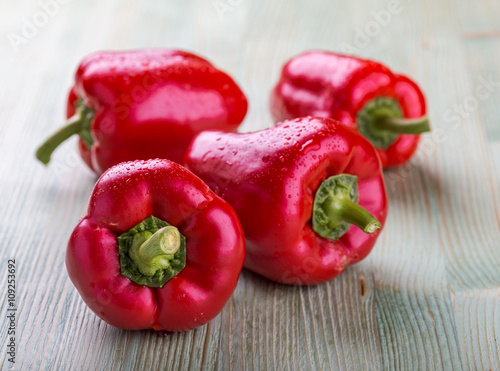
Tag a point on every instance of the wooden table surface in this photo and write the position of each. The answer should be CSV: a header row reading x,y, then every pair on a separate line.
x,y
428,297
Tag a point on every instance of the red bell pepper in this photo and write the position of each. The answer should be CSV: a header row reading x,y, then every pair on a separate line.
x,y
387,108
156,249
145,104
308,193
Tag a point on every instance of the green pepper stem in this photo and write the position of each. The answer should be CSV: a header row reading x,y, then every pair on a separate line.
x,y
75,125
156,252
152,252
403,126
352,213
164,241
335,208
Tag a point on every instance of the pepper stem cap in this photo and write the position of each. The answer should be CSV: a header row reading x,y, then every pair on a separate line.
x,y
152,252
335,208
381,121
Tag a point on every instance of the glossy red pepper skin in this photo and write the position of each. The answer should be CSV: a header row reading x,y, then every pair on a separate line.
x,y
270,178
326,84
124,196
151,103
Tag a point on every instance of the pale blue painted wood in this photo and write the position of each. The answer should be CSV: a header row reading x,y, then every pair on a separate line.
x,y
426,298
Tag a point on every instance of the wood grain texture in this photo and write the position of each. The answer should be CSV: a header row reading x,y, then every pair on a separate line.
x,y
428,297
